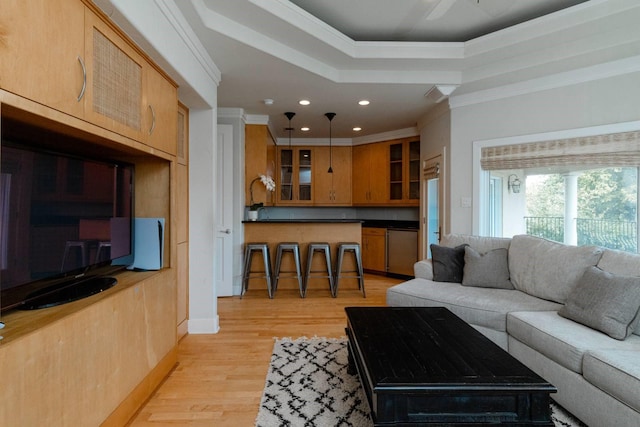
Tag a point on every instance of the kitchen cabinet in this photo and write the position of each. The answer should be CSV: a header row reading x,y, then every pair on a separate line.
x,y
160,100
404,172
42,50
295,177
332,188
374,249
370,174
260,159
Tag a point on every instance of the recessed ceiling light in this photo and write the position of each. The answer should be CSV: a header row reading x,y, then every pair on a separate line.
x,y
268,101
304,129
363,102
304,102
357,129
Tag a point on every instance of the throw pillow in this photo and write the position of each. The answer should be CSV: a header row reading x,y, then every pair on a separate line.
x,y
488,270
604,301
448,263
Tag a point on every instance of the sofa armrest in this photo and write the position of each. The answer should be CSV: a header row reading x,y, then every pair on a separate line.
x,y
423,269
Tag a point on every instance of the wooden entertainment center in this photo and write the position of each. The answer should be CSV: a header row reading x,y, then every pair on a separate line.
x,y
95,361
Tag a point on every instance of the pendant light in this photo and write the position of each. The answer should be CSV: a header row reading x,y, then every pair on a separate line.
x,y
330,116
289,115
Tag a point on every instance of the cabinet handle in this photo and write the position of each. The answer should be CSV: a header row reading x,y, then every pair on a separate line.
x,y
153,119
84,78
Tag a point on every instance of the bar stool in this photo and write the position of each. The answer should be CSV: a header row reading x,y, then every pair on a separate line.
x,y
320,247
294,249
353,248
249,250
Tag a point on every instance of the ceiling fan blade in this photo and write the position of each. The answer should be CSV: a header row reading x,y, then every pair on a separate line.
x,y
440,9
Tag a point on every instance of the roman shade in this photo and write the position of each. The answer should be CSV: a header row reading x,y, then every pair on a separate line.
x,y
614,149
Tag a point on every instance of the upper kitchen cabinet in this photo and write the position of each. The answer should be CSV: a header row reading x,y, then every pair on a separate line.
x,y
160,101
294,181
43,52
259,158
370,174
404,172
332,188
114,75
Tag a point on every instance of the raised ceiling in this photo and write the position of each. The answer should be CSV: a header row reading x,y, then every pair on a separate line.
x,y
337,52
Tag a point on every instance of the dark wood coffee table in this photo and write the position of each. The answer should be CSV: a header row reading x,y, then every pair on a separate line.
x,y
425,365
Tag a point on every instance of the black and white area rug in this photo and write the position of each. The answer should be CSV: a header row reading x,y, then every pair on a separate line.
x,y
308,385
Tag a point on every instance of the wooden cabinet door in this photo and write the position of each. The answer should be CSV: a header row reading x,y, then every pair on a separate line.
x,y
42,50
341,163
374,249
114,80
332,188
360,174
322,179
379,173
161,108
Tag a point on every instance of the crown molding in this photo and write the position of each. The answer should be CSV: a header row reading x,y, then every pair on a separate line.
x,y
315,142
568,78
256,119
170,10
231,113
386,136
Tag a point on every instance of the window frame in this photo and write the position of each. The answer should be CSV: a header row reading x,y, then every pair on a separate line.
x,y
481,178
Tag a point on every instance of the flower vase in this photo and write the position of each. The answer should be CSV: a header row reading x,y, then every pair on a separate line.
x,y
253,215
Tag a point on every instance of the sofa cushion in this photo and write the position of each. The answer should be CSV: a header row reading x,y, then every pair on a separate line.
x,y
606,302
562,340
547,269
619,262
615,371
478,306
479,243
487,270
448,263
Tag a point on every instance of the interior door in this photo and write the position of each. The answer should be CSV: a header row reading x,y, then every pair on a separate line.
x,y
223,212
431,208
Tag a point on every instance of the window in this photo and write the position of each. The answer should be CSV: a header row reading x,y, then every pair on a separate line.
x,y
579,187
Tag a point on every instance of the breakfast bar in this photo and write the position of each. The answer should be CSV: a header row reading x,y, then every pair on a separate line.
x,y
304,231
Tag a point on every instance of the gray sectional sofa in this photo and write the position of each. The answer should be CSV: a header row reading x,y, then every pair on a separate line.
x,y
569,313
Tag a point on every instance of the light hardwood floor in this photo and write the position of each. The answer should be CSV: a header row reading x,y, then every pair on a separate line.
x,y
220,377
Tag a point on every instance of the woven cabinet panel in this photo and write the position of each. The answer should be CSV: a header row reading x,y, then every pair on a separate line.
x,y
117,83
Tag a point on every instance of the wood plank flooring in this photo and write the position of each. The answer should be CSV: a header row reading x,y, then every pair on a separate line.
x,y
219,378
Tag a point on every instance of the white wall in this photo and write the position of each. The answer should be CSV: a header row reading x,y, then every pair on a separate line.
x,y
605,101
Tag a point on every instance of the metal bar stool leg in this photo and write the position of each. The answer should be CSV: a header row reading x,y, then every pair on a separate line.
x,y
328,273
353,248
267,269
294,249
249,250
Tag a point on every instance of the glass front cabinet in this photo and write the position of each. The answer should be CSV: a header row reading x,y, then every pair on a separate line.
x,y
404,172
295,176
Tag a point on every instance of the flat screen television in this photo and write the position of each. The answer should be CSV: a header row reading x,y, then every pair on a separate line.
x,y
66,224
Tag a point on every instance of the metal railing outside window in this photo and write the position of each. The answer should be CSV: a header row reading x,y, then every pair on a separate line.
x,y
621,235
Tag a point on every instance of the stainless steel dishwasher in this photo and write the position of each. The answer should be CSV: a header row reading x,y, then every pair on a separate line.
x,y
402,250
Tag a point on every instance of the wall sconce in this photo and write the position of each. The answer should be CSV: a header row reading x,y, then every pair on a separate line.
x,y
513,185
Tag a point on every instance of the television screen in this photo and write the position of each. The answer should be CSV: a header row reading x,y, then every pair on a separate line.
x,y
63,219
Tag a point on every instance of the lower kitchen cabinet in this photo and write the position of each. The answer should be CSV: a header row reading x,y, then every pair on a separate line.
x,y
374,249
